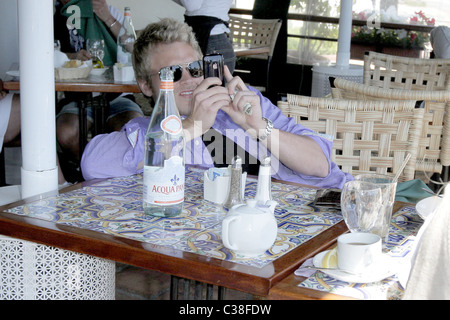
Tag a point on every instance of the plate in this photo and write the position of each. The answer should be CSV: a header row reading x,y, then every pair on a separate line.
x,y
384,269
426,206
13,73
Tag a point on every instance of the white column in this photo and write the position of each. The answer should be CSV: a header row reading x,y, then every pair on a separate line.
x,y
37,96
345,33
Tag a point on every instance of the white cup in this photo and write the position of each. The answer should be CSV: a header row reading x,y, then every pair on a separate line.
x,y
358,251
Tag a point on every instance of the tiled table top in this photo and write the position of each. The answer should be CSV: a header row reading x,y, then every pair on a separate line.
x,y
114,206
405,225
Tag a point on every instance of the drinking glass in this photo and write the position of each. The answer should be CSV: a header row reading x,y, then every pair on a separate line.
x,y
96,47
388,187
361,203
57,45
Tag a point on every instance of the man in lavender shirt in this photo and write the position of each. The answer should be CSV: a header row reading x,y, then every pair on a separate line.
x,y
297,153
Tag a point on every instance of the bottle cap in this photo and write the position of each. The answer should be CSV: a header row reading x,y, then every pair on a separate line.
x,y
236,162
266,161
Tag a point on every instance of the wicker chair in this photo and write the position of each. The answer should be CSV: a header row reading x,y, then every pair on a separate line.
x,y
257,33
368,136
394,72
434,142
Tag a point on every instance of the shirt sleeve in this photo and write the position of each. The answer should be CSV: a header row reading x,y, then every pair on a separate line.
x,y
116,14
115,154
335,179
191,5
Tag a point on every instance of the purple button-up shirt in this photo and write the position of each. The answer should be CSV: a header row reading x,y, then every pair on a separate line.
x,y
119,153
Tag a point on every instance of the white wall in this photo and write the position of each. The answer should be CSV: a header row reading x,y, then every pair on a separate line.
x,y
143,12
9,35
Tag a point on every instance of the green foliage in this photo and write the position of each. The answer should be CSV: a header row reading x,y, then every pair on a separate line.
x,y
393,37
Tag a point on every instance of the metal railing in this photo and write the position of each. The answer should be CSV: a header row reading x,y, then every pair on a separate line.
x,y
332,20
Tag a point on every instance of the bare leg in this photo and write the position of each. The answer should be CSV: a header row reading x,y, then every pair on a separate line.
x,y
13,129
118,121
67,134
61,178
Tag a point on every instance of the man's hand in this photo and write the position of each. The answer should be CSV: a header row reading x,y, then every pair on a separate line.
x,y
206,102
82,55
242,98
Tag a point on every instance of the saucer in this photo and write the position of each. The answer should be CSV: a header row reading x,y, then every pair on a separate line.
x,y
426,206
384,269
13,73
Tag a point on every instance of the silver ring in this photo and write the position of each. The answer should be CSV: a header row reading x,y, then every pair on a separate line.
x,y
233,95
247,108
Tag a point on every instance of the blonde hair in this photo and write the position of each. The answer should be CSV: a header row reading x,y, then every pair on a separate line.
x,y
165,31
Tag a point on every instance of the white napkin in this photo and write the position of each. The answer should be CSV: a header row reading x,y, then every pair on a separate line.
x,y
59,59
123,73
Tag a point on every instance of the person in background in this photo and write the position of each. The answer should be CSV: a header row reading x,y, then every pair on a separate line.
x,y
100,21
9,116
440,41
209,20
203,105
10,123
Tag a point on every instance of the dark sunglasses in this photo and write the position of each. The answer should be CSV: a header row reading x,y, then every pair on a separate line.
x,y
195,69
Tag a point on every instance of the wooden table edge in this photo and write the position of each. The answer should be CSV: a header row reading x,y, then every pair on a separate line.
x,y
137,253
82,87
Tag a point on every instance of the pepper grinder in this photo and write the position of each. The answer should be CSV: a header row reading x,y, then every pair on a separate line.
x,y
235,193
264,187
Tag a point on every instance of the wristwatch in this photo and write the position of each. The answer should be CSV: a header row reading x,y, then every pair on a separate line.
x,y
267,131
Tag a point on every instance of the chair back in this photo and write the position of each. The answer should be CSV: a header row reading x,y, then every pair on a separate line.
x,y
368,136
255,32
434,142
395,72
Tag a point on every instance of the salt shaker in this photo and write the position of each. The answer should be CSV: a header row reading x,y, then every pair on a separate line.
x,y
234,195
264,188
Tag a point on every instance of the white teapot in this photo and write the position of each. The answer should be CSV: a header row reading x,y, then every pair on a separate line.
x,y
250,229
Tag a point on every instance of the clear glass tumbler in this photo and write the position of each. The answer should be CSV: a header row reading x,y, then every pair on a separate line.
x,y
388,188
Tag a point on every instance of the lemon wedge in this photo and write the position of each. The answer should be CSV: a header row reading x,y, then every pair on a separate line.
x,y
330,259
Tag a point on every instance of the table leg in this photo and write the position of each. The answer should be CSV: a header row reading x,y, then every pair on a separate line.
x,y
173,288
96,113
82,119
104,108
2,168
193,290
100,112
100,109
445,172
